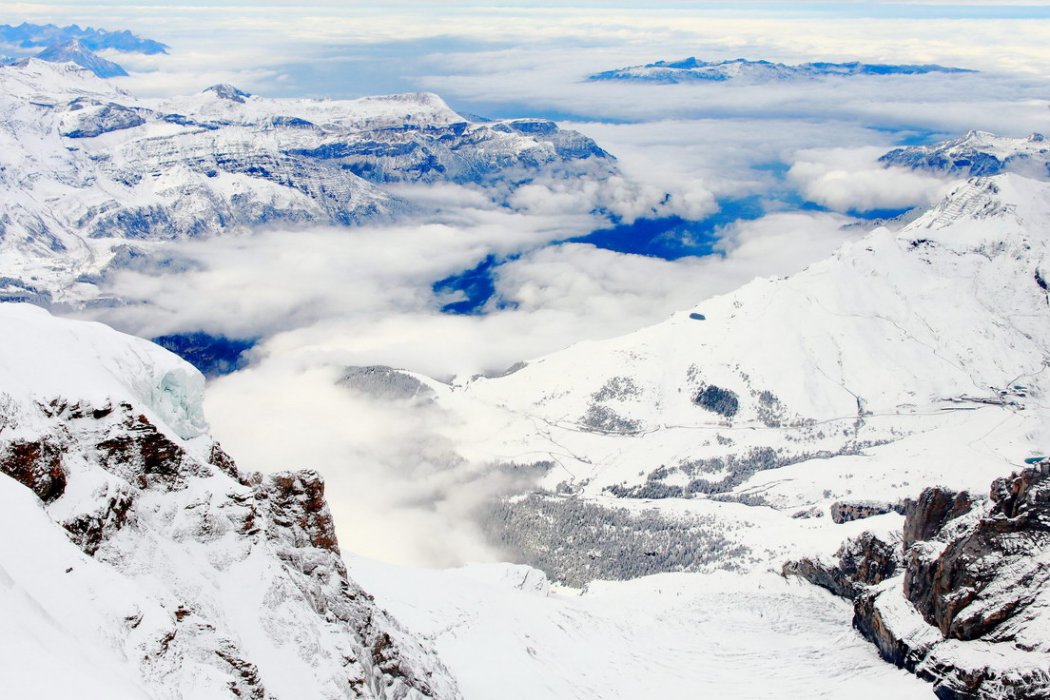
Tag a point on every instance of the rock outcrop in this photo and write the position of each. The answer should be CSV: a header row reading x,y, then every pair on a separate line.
x,y
152,493
192,578
38,465
926,517
859,563
969,606
847,511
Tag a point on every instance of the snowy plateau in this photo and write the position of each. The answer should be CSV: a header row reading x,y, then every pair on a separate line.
x,y
823,485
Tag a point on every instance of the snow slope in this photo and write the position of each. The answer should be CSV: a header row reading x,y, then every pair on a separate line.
x,y
505,633
766,425
939,326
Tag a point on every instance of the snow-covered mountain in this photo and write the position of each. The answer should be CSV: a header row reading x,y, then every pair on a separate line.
x,y
72,44
771,424
686,482
978,153
882,332
138,561
28,35
743,70
90,174
74,51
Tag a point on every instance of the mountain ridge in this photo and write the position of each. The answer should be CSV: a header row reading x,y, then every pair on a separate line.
x,y
184,576
901,362
28,35
94,175
692,70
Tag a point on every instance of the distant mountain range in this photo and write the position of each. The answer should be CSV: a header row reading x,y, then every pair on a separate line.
x,y
74,44
93,173
741,69
29,36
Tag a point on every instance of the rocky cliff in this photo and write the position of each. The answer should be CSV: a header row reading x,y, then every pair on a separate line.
x,y
192,577
963,601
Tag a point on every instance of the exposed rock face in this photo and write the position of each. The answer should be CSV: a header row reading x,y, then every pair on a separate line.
x,y
297,502
180,523
925,517
959,588
847,511
967,608
38,465
870,622
859,563
140,453
969,612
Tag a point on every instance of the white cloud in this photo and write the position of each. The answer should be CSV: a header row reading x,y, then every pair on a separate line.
x,y
846,179
398,490
325,299
328,299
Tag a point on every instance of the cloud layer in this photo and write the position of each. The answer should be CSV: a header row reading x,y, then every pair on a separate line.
x,y
324,299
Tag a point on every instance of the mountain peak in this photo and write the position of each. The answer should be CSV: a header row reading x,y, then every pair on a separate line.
x,y
228,92
74,51
977,153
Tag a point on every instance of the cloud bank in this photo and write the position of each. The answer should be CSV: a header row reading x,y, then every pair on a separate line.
x,y
325,299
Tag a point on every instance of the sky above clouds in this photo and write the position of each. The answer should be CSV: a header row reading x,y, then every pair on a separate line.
x,y
324,299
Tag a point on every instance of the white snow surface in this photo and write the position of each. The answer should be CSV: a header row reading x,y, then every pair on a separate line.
x,y
909,358
42,358
670,636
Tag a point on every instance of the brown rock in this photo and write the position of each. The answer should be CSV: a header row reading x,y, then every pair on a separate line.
x,y
959,588
90,530
297,502
847,511
36,465
861,562
927,516
145,457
